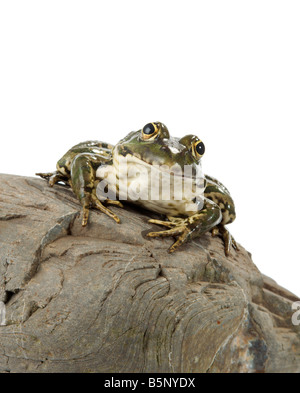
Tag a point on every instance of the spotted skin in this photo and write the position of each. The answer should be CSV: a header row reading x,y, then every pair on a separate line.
x,y
80,168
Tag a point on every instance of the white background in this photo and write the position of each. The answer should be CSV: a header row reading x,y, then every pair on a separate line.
x,y
227,71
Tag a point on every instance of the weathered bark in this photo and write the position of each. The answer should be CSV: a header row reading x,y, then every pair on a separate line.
x,y
107,299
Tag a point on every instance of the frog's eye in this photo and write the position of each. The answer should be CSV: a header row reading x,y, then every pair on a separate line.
x,y
198,149
149,131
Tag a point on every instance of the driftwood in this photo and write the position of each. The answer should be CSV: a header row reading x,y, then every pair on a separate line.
x,y
105,298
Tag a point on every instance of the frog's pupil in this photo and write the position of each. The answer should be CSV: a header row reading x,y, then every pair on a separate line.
x,y
200,148
149,129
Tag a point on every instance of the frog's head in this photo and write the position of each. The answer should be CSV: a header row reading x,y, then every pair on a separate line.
x,y
153,145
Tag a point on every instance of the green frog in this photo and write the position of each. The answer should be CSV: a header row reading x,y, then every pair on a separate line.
x,y
144,161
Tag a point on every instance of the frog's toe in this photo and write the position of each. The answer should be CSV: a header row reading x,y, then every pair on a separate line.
x,y
179,241
114,203
86,212
163,223
234,244
227,248
169,232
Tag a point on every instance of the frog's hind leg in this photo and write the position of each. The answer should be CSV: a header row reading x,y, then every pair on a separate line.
x,y
54,177
228,239
219,194
83,179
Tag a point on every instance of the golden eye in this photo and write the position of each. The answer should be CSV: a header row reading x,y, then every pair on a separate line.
x,y
198,149
149,131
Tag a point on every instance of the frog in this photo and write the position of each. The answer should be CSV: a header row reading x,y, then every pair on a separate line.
x,y
88,165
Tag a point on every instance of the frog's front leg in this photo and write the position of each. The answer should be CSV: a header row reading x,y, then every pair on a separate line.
x,y
83,182
189,227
